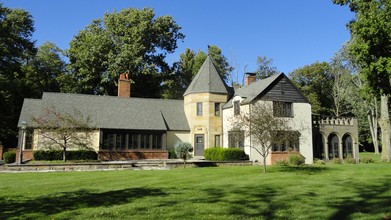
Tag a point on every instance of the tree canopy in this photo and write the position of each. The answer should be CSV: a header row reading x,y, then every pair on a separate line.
x,y
16,46
130,41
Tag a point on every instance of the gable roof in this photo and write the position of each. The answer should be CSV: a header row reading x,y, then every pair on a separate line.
x,y
207,80
260,88
111,112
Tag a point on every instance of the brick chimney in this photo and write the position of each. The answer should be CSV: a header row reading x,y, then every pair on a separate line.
x,y
250,78
124,85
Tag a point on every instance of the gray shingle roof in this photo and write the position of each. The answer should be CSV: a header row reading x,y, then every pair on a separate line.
x,y
207,80
250,92
111,112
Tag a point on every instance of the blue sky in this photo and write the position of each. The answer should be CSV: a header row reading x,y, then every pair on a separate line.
x,y
292,33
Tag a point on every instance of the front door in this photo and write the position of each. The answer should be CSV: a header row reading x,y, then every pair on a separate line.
x,y
199,145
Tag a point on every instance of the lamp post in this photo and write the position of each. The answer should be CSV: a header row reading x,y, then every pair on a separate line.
x,y
22,127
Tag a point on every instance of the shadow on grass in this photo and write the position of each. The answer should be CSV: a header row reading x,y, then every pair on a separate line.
x,y
302,169
371,200
67,201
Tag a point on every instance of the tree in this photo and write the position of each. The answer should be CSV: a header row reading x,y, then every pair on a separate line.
x,y
45,71
264,130
16,46
265,67
131,41
316,83
370,45
185,70
64,130
182,150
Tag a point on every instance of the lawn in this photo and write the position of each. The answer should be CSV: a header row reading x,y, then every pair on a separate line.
x,y
349,191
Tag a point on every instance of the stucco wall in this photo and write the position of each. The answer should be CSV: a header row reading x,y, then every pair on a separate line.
x,y
301,122
40,142
177,136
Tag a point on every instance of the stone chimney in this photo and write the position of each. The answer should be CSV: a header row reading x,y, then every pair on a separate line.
x,y
124,85
250,78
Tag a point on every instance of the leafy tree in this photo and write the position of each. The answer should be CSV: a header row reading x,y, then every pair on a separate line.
x,y
16,46
182,150
316,83
185,70
131,41
264,129
64,130
45,71
370,45
265,67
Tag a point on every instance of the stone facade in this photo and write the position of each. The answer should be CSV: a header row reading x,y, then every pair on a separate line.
x,y
207,124
335,138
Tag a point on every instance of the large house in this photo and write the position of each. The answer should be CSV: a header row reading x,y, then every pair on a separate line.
x,y
141,128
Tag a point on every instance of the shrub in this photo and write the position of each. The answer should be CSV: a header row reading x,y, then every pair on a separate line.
x,y
320,162
47,155
172,154
182,150
225,154
337,161
350,160
367,160
282,163
70,155
296,159
9,157
82,155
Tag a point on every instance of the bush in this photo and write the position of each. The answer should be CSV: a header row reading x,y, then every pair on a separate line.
x,y
9,157
320,162
172,154
337,161
350,160
367,160
282,163
296,159
70,155
225,154
82,155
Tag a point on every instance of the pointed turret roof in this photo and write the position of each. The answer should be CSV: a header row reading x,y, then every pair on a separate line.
x,y
207,80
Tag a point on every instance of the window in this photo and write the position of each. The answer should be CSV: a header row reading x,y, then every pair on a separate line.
x,y
286,141
29,140
217,141
217,109
282,109
236,139
199,108
236,108
129,140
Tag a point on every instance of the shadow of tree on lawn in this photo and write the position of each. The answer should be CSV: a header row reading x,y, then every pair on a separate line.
x,y
66,201
309,170
372,199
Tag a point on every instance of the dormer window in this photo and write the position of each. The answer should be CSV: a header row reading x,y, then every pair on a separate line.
x,y
236,108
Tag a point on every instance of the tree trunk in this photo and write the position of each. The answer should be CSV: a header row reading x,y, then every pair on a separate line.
x,y
385,128
372,119
264,164
64,154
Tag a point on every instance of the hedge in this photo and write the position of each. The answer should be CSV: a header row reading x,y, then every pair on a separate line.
x,y
225,154
9,157
70,155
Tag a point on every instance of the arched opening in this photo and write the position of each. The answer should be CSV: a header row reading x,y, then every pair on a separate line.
x,y
347,146
333,146
319,146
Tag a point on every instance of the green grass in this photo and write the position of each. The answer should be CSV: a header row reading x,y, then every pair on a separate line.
x,y
348,191
372,155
